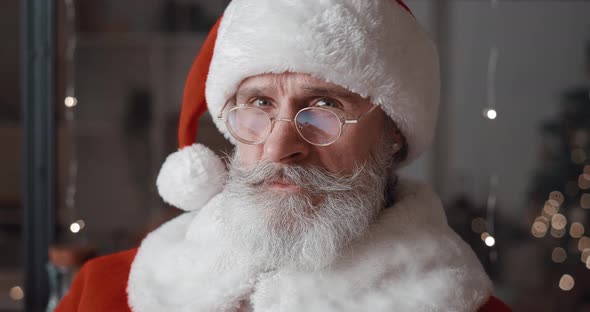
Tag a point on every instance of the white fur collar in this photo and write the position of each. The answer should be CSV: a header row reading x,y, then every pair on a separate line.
x,y
410,260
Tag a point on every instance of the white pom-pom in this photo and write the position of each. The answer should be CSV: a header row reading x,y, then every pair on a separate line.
x,y
190,177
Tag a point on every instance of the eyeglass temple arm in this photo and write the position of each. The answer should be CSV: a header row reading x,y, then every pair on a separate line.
x,y
356,120
220,114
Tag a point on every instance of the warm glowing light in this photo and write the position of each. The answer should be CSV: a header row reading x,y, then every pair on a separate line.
x,y
539,229
490,114
576,230
557,196
549,210
484,236
583,243
75,227
490,241
16,293
558,221
558,255
543,220
588,263
81,223
70,101
585,255
558,233
478,225
566,282
585,201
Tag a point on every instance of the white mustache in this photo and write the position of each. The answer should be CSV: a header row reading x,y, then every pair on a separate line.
x,y
313,179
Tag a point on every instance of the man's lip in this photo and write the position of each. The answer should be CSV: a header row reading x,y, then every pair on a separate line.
x,y
284,186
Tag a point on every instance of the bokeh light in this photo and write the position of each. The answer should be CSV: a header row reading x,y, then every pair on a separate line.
x,y
558,221
558,255
75,227
539,229
583,243
490,114
16,293
566,282
558,233
577,230
490,241
70,101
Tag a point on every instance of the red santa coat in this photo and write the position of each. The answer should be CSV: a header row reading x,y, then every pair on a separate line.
x,y
170,271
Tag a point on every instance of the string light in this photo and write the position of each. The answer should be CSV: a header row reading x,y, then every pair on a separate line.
x,y
557,198
70,115
16,293
583,243
585,255
585,201
75,227
566,283
549,210
539,229
490,241
490,114
558,233
559,255
558,221
576,230
70,101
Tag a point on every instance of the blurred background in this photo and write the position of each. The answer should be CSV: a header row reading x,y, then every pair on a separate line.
x,y
90,92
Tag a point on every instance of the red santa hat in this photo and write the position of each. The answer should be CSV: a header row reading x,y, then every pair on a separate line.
x,y
374,48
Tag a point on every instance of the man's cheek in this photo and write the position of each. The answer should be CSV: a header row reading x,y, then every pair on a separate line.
x,y
248,154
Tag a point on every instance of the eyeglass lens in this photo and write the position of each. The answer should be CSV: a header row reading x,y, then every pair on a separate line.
x,y
252,125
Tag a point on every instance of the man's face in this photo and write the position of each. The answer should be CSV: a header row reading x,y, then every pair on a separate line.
x,y
289,93
295,204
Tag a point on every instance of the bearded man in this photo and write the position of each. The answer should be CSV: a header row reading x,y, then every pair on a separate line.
x,y
325,101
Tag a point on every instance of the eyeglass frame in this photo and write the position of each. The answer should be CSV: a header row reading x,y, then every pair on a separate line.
x,y
343,121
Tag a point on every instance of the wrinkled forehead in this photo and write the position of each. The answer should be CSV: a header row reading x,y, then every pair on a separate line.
x,y
293,82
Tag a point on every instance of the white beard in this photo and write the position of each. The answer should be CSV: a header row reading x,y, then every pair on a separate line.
x,y
295,230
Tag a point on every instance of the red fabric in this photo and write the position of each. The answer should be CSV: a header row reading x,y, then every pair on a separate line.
x,y
101,286
405,6
193,102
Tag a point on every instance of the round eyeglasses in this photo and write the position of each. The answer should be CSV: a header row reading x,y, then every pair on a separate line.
x,y
316,125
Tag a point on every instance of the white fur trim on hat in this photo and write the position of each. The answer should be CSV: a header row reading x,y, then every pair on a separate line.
x,y
374,48
190,177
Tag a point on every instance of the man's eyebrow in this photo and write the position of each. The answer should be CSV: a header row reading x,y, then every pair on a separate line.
x,y
330,92
249,92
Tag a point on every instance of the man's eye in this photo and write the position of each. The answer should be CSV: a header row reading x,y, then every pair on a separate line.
x,y
327,103
260,102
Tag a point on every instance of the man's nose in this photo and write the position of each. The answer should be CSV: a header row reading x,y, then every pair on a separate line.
x,y
284,145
